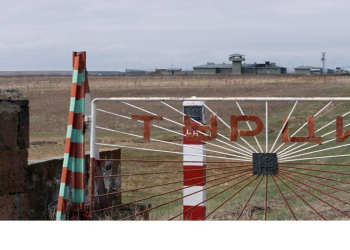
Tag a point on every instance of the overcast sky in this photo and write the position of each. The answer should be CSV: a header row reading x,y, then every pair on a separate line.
x,y
41,35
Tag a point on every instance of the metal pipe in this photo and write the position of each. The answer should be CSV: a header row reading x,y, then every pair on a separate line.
x,y
339,99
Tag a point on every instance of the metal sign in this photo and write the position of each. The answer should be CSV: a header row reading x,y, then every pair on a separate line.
x,y
225,158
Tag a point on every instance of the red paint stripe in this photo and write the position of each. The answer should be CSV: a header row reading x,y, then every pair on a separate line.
x,y
68,145
64,175
197,213
78,121
60,204
76,62
77,150
64,207
69,174
188,141
73,92
78,180
70,117
188,175
80,92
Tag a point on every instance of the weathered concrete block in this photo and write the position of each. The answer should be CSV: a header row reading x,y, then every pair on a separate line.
x,y
13,171
8,125
23,125
14,207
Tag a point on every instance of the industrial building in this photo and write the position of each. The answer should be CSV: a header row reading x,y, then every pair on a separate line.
x,y
170,71
311,70
308,70
236,67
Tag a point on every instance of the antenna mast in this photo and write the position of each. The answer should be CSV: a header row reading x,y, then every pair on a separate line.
x,y
323,59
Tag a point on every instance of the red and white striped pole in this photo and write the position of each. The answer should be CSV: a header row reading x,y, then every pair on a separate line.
x,y
194,159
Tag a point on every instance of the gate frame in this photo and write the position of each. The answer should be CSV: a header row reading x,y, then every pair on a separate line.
x,y
92,118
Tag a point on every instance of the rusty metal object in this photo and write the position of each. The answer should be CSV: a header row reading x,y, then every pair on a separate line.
x,y
234,126
146,123
300,197
310,132
290,178
340,135
284,198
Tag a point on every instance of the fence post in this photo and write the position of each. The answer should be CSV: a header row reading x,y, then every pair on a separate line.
x,y
194,165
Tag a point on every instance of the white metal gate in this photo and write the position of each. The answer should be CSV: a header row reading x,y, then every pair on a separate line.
x,y
247,158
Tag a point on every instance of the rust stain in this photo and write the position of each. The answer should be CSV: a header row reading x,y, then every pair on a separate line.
x,y
147,123
310,132
235,132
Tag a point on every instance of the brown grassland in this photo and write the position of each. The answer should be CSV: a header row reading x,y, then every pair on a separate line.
x,y
49,102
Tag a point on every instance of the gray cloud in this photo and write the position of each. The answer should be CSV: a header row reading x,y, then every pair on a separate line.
x,y
40,35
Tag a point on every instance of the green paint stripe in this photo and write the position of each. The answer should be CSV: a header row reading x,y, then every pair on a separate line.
x,y
70,163
80,78
83,75
77,195
79,106
59,215
72,104
69,131
66,192
62,188
75,76
77,136
78,166
65,160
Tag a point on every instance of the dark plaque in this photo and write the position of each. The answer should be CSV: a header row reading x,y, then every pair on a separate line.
x,y
265,163
195,112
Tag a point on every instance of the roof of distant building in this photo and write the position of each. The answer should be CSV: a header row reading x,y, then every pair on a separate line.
x,y
307,67
229,66
236,55
214,66
173,69
262,65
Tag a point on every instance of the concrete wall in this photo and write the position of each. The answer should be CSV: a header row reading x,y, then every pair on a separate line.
x,y
204,71
236,67
14,141
30,192
170,73
44,182
302,72
269,71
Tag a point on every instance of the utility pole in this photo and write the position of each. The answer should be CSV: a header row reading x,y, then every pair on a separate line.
x,y
323,59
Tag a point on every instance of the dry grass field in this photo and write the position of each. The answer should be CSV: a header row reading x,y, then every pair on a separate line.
x,y
49,102
49,95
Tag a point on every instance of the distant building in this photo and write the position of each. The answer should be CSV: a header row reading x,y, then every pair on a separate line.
x,y
212,68
238,68
263,68
340,71
236,60
308,70
136,72
172,71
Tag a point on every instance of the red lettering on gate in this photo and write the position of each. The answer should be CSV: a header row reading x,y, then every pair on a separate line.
x,y
147,123
234,126
310,132
340,135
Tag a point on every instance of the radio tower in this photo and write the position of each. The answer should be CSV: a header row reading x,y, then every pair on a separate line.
x,y
323,59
